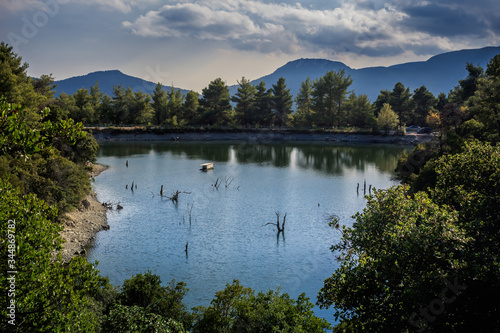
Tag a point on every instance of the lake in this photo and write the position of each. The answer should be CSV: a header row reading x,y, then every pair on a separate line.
x,y
222,214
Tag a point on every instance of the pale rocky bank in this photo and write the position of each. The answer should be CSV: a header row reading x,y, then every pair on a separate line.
x,y
84,222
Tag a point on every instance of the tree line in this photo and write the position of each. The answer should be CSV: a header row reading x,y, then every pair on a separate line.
x,y
326,102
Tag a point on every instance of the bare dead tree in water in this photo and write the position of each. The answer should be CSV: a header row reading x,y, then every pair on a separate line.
x,y
281,229
229,180
218,182
175,195
190,209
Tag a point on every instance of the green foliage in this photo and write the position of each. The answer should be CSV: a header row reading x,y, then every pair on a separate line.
x,y
400,102
281,103
263,99
16,138
470,183
467,86
190,106
329,94
405,249
17,87
160,104
145,290
360,111
45,158
484,107
387,119
398,253
71,140
215,103
135,319
238,309
245,102
48,296
304,114
423,102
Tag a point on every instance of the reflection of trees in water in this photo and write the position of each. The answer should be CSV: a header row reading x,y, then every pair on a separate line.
x,y
321,157
330,159
208,152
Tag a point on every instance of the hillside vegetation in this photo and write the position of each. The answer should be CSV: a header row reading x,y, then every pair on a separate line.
x,y
422,256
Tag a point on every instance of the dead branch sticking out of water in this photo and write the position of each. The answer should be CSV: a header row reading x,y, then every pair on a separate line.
x,y
218,182
175,195
190,209
228,181
281,229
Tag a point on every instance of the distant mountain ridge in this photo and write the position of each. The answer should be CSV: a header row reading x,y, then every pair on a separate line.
x,y
440,73
107,79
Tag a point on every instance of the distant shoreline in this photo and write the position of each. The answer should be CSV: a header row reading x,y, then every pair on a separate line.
x,y
252,136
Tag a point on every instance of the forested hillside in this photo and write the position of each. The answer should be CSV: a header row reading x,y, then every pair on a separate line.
x,y
422,256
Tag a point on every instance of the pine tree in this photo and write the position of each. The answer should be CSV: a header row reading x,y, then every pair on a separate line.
x,y
245,102
304,114
281,103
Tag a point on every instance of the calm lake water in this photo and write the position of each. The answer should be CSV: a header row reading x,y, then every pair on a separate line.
x,y
225,227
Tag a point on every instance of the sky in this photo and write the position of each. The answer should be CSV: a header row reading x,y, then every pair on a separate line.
x,y
190,43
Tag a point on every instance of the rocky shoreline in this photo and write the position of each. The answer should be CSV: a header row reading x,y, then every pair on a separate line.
x,y
82,224
259,136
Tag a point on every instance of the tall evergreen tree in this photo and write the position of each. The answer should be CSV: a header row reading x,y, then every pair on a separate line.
x,y
245,102
382,98
263,112
281,103
360,111
423,103
215,103
304,114
401,103
140,110
329,94
467,86
159,104
190,106
175,99
96,97
85,110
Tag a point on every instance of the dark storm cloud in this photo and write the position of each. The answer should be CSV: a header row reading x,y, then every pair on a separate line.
x,y
438,20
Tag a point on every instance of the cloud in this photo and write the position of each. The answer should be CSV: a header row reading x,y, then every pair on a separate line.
x,y
366,27
438,20
265,26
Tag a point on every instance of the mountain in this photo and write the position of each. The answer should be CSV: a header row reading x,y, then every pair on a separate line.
x,y
106,79
440,73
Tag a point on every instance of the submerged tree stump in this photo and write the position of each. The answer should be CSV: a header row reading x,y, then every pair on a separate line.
x,y
281,229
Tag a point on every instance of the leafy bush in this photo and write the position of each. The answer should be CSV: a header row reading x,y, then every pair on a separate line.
x,y
136,319
48,296
145,290
238,309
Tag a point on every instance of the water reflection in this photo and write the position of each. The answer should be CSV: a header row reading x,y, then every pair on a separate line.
x,y
322,157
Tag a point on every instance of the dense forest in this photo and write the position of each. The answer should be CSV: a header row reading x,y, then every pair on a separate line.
x,y
422,256
326,102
